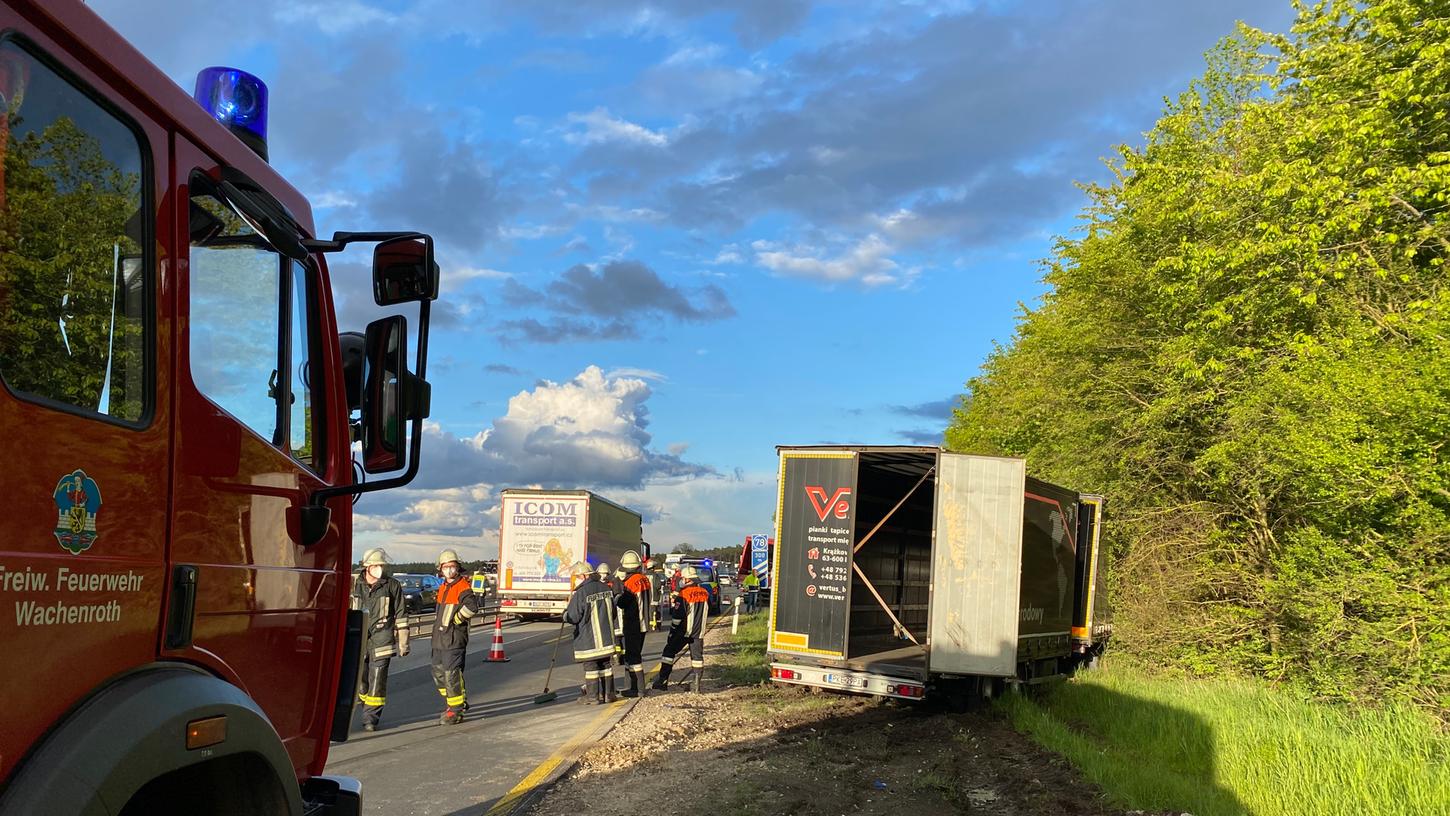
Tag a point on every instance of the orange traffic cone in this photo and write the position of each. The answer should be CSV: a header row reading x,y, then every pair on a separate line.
x,y
495,652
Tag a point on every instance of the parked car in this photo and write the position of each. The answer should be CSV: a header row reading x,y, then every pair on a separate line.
x,y
418,596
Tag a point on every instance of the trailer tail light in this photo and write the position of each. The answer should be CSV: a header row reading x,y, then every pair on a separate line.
x,y
908,691
202,733
508,602
785,674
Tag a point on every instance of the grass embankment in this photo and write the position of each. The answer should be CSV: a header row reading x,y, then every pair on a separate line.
x,y
745,664
1238,747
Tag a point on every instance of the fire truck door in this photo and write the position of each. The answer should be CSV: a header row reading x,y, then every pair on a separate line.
x,y
248,448
85,328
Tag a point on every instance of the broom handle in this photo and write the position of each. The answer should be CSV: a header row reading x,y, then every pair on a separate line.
x,y
550,673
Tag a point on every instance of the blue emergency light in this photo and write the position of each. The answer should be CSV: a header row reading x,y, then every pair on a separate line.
x,y
238,100
709,563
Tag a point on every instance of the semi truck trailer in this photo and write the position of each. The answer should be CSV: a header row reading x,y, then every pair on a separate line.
x,y
913,571
542,533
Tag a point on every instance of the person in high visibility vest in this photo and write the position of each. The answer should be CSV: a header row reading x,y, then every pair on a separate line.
x,y
379,597
689,607
456,606
591,610
752,590
633,600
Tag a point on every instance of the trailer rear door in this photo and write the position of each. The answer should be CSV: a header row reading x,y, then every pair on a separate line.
x,y
810,601
976,565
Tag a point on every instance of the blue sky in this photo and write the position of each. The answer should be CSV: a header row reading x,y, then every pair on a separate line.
x,y
675,235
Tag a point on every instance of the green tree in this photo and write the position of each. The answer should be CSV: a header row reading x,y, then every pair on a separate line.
x,y
1246,349
63,303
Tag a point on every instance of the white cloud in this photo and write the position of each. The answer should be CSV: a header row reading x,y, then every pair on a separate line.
x,y
333,198
453,277
868,261
600,126
334,18
713,512
589,432
533,231
694,54
641,373
729,254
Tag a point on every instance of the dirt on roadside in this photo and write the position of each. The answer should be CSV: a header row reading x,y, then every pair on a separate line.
x,y
771,749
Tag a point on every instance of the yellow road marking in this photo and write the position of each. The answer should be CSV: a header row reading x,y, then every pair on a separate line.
x,y
539,774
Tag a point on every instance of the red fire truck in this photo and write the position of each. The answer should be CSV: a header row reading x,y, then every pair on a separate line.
x,y
181,413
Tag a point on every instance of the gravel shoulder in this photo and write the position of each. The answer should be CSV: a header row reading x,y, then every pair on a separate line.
x,y
767,749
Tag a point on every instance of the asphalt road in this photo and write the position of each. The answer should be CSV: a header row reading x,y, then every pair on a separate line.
x,y
412,766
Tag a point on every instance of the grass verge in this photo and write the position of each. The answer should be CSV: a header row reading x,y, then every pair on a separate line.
x,y
745,664
1221,748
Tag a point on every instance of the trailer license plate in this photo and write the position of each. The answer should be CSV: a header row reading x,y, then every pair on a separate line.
x,y
846,681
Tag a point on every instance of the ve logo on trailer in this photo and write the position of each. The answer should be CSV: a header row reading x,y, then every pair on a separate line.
x,y
836,505
77,501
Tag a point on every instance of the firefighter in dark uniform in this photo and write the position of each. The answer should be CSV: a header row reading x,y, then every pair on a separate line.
x,y
689,606
633,600
456,606
385,631
591,610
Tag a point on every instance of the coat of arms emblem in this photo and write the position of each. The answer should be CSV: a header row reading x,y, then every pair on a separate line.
x,y
77,501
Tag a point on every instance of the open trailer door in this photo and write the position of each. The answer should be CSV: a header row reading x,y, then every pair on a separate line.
x,y
810,601
976,563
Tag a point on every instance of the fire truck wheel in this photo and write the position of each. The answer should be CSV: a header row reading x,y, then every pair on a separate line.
x,y
127,744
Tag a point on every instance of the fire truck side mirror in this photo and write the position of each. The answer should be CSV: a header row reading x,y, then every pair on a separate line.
x,y
404,271
384,439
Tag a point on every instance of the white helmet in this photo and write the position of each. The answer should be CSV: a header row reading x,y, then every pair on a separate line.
x,y
629,561
374,557
689,573
580,568
448,555
602,570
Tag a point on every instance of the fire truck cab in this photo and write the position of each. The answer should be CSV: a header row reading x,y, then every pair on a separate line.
x,y
181,412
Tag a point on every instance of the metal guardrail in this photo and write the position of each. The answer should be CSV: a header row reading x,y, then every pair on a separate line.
x,y
421,623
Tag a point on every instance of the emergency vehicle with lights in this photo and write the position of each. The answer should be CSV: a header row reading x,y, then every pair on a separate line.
x,y
182,410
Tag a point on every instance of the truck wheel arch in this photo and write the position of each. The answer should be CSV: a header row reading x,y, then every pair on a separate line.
x,y
132,732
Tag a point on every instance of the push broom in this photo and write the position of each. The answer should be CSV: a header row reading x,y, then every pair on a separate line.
x,y
551,696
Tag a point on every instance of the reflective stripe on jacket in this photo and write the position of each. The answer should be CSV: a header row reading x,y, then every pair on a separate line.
x,y
690,608
456,604
634,604
591,610
383,613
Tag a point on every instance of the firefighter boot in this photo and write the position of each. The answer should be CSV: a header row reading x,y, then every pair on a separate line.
x,y
586,695
695,681
611,694
633,690
663,681
599,690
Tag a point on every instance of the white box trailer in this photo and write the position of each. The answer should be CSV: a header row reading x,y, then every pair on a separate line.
x,y
542,533
900,570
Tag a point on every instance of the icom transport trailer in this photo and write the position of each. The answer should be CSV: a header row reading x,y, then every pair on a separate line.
x,y
908,571
178,528
542,533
